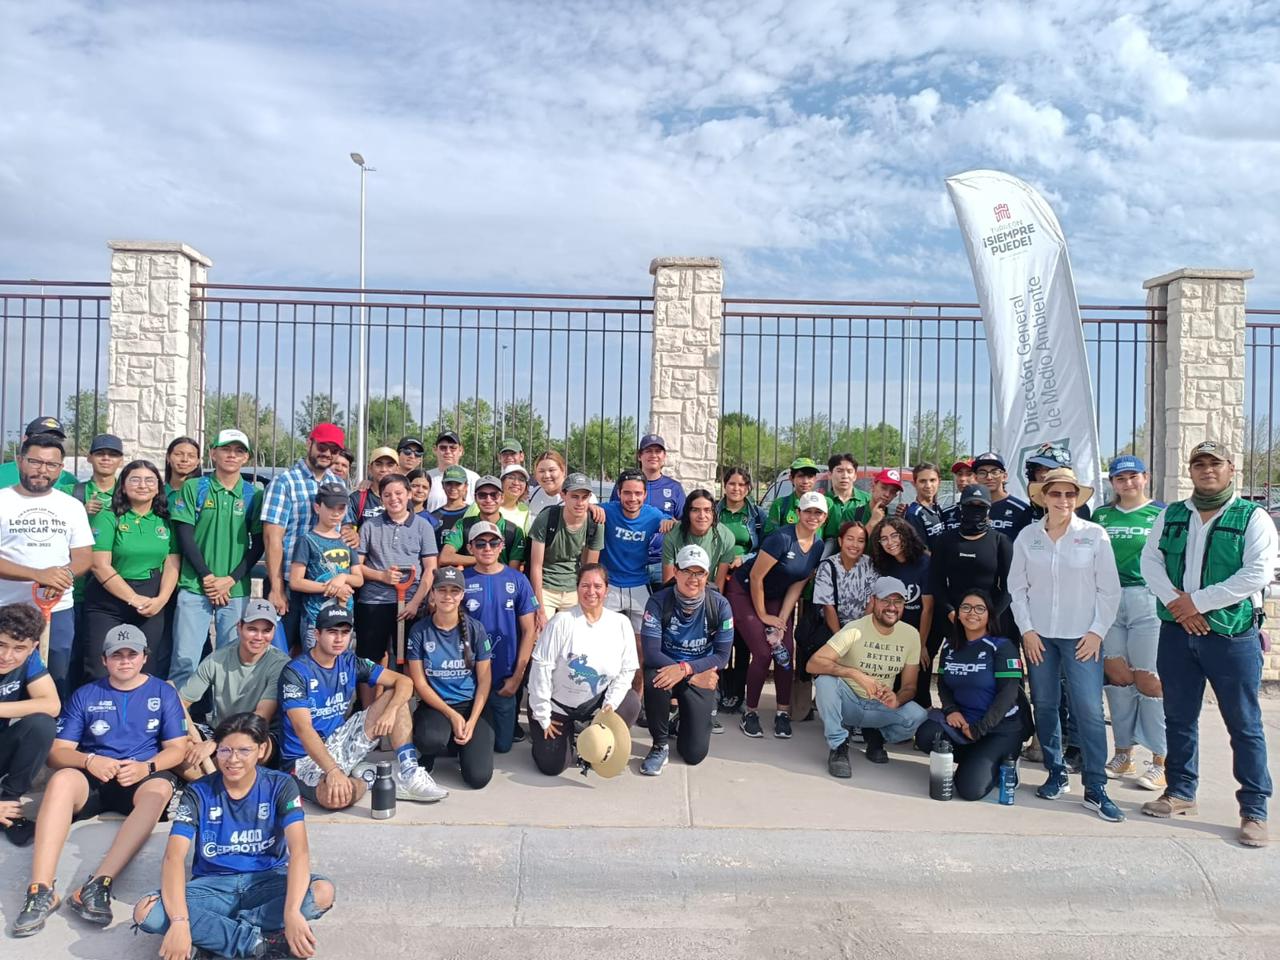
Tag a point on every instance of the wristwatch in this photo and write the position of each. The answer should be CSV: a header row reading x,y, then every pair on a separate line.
x,y
151,766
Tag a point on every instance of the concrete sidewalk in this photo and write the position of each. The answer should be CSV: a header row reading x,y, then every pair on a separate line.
x,y
757,852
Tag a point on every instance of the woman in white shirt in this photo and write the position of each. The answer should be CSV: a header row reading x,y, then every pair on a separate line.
x,y
1064,591
584,661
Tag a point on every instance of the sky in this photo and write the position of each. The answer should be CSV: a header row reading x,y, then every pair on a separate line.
x,y
560,146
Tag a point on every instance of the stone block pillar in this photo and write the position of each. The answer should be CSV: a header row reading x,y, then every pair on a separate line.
x,y
685,378
1198,374
155,361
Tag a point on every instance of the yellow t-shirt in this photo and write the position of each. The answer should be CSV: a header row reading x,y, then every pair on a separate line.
x,y
861,646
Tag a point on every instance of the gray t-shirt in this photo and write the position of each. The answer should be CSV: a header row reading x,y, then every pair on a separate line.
x,y
560,559
237,687
385,544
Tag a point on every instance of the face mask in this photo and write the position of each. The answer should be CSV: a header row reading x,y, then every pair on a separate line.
x,y
973,518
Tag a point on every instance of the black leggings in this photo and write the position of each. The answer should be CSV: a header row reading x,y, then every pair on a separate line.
x,y
552,754
103,611
376,630
693,741
433,736
977,764
733,678
24,747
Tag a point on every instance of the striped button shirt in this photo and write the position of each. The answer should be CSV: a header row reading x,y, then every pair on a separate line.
x,y
290,503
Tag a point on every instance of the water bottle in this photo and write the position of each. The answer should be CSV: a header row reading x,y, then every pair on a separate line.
x,y
781,656
1008,781
942,769
383,796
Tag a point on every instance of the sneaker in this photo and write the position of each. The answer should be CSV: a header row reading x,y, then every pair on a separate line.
x,y
673,722
810,716
20,831
1167,805
876,752
655,760
716,725
92,902
1055,787
365,770
1153,777
782,726
855,735
1073,759
274,946
730,704
419,787
838,762
751,725
519,735
1253,833
41,901
1097,800
1121,765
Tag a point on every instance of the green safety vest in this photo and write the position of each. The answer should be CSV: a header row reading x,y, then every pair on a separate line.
x,y
1223,558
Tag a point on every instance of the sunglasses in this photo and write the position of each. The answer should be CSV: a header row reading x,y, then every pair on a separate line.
x,y
486,543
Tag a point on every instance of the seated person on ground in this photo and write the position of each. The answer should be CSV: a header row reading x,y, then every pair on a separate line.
x,y
29,708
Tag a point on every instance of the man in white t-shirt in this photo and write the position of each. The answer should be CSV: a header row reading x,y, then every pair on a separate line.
x,y
45,542
449,451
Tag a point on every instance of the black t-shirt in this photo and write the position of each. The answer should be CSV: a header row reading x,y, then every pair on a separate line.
x,y
959,565
14,684
793,563
916,577
448,520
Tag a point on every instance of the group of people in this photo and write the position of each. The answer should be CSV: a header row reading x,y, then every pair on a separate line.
x,y
417,610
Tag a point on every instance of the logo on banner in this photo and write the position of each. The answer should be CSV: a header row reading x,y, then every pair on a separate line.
x,y
1001,210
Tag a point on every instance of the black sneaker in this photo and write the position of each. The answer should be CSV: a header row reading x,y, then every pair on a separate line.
x,y
1073,759
782,726
274,946
518,736
716,725
41,901
874,739
20,831
673,722
838,762
730,704
751,724
92,902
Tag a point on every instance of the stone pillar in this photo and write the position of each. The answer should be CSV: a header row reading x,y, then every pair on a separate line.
x,y
1198,373
684,385
155,361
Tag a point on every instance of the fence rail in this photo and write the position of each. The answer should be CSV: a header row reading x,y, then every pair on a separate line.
x,y
1261,460
900,381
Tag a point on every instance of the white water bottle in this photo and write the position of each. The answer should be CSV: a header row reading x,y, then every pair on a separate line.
x,y
942,769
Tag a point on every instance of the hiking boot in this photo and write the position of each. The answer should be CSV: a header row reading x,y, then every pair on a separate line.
x,y
1167,805
41,901
1056,786
20,831
874,740
1153,776
92,902
751,725
419,787
782,726
1253,833
655,760
1073,759
838,762
1096,799
1121,765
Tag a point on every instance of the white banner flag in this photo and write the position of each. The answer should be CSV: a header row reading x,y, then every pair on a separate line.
x,y
1041,391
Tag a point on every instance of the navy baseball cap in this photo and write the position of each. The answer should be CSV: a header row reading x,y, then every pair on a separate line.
x,y
333,615
106,443
975,493
652,440
989,458
46,425
1127,463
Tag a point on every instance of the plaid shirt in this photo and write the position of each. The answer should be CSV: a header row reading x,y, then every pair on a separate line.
x,y
290,503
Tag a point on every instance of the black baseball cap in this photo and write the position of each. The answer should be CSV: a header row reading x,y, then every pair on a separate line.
x,y
448,435
331,495
106,443
990,458
976,493
46,425
333,615
449,577
410,442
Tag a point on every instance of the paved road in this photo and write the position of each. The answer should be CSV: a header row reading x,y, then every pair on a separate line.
x,y
757,853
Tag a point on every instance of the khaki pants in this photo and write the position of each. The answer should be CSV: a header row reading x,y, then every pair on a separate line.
x,y
553,601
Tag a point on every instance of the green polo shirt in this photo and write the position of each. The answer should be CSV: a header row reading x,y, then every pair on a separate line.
x,y
857,507
91,492
9,476
518,552
138,544
223,523
736,524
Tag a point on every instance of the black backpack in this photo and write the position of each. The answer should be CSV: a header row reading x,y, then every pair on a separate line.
x,y
812,632
555,514
508,536
710,609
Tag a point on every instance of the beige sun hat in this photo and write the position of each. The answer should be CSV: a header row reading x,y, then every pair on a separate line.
x,y
605,744
1059,475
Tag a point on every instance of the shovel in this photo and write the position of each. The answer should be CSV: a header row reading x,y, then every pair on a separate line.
x,y
402,592
46,606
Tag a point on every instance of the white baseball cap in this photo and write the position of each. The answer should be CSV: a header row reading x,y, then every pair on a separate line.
x,y
812,500
693,556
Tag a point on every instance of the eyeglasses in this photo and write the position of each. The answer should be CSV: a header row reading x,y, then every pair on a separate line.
x,y
891,537
240,753
142,481
988,474
1061,494
693,573
486,543
973,608
894,602
487,494
43,464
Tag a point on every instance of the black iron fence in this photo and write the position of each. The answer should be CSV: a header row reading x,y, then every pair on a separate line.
x,y
54,356
1261,459
548,370
900,382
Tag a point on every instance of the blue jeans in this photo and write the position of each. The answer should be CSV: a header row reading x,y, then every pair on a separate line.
x,y
1135,638
1233,667
840,708
1084,695
501,712
191,630
229,914
62,635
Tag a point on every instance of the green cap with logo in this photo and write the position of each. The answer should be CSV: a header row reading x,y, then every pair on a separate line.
x,y
454,474
804,465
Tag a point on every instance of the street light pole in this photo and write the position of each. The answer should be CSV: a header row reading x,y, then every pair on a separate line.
x,y
362,402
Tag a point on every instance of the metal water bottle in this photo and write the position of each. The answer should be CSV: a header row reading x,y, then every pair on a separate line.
x,y
942,769
781,656
1008,780
383,795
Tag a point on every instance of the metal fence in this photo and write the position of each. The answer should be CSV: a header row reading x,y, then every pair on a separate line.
x,y
54,356
562,370
900,382
1261,460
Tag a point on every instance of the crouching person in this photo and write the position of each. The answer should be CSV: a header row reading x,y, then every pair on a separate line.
x,y
251,892
29,708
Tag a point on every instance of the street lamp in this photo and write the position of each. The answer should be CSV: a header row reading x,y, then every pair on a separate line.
x,y
362,405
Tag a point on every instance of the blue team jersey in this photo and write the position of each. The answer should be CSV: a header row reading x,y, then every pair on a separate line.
x,y
929,522
122,724
666,495
792,566
1009,516
686,640
231,837
627,544
14,684
498,600
448,667
971,672
326,693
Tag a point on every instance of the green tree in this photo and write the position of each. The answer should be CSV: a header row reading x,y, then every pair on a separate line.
x,y
390,418
602,447
935,438
746,441
477,425
273,444
317,408
85,417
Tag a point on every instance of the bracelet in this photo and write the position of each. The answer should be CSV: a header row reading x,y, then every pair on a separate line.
x,y
87,758
109,579
179,920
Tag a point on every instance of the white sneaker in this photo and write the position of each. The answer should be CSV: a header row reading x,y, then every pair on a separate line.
x,y
419,787
365,770
1153,777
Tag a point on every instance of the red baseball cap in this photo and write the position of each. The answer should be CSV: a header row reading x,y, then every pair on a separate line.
x,y
328,433
961,465
890,477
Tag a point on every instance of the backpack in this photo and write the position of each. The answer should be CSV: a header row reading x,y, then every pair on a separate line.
x,y
555,513
81,491
812,632
508,536
709,608
202,494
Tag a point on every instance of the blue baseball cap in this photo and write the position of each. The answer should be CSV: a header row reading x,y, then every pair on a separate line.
x,y
1127,463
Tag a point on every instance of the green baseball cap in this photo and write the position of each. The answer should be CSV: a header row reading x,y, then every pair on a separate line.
x,y
454,474
512,446
800,464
